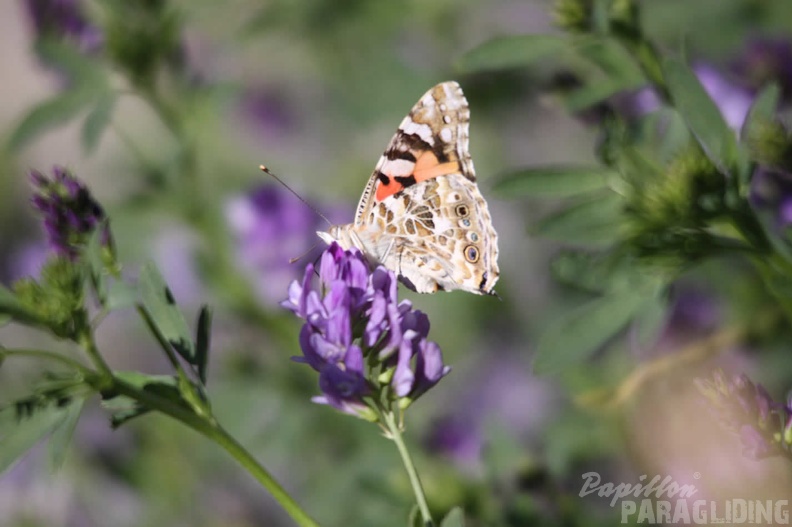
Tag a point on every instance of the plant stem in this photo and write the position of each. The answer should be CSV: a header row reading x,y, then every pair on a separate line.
x,y
244,458
220,436
88,343
420,498
47,355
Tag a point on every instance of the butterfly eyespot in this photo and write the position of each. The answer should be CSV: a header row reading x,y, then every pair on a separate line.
x,y
472,236
472,254
462,211
465,222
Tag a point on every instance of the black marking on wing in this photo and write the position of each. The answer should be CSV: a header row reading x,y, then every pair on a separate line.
x,y
400,154
385,180
413,142
483,281
440,153
405,181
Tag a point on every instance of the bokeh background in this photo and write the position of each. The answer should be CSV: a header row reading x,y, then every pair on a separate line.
x,y
314,90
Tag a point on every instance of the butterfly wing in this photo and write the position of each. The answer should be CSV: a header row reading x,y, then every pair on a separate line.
x,y
421,213
431,141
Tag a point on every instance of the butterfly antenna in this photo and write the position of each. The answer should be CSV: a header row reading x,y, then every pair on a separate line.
x,y
303,255
279,180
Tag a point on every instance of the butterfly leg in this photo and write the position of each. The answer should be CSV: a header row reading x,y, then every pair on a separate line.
x,y
388,250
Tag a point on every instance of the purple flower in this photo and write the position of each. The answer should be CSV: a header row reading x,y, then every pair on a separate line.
x,y
267,110
732,99
366,345
458,438
70,212
748,410
765,60
270,226
64,19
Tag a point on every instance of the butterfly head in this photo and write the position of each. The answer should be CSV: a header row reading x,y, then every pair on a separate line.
x,y
339,234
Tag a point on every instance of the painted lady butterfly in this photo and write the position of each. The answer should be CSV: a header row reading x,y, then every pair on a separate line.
x,y
421,214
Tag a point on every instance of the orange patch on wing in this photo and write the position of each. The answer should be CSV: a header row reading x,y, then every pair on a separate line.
x,y
389,189
428,166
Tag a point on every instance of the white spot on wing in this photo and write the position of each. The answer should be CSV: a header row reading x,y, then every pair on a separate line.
x,y
409,127
446,135
398,167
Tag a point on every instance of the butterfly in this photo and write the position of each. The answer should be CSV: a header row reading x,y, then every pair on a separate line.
x,y
421,214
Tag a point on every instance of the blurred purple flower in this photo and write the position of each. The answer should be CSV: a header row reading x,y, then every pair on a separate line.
x,y
732,99
64,19
69,210
748,410
353,319
694,310
457,438
771,192
496,394
267,110
270,226
693,313
765,60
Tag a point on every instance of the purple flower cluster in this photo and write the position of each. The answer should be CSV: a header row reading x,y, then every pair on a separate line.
x,y
64,19
70,211
366,345
764,426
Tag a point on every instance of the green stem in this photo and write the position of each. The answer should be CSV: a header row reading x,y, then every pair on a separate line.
x,y
88,343
420,498
218,434
775,273
47,355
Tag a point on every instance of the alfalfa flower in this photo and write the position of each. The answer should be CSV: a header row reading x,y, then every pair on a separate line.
x,y
371,351
70,212
745,408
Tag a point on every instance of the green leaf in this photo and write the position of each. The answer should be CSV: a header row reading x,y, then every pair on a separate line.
x,y
97,121
764,107
590,222
702,116
650,321
121,295
594,92
88,80
49,114
11,308
579,333
671,135
61,436
18,434
202,340
454,518
124,408
594,273
612,59
83,70
763,110
512,52
96,267
553,181
165,314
